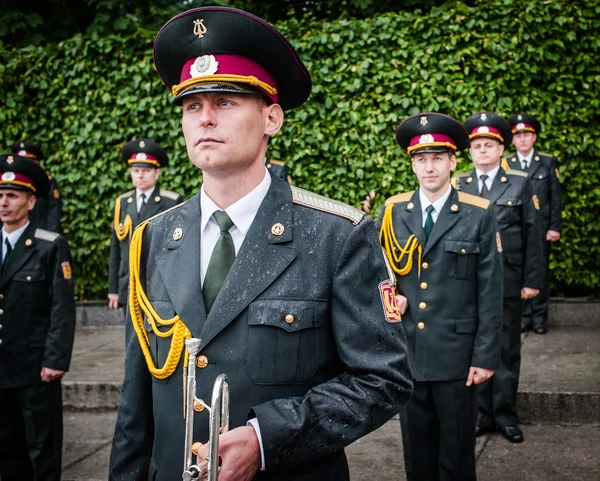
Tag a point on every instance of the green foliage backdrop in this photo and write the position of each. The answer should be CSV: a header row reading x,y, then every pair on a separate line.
x,y
85,97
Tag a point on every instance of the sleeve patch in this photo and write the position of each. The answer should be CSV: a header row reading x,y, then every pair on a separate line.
x,y
536,202
557,173
389,302
66,268
498,242
56,193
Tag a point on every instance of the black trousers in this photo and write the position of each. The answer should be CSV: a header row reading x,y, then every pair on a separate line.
x,y
31,430
438,431
498,395
535,312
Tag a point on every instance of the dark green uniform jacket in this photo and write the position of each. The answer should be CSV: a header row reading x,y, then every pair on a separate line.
x,y
118,272
316,382
38,308
454,296
544,179
511,199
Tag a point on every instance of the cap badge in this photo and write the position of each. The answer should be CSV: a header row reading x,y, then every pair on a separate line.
x,y
177,233
8,176
22,145
141,156
22,152
520,126
426,139
519,117
199,28
277,229
423,120
142,144
9,159
205,65
483,116
483,130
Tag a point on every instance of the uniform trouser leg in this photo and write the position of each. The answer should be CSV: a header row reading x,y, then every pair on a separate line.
x,y
497,396
42,412
535,311
15,464
438,432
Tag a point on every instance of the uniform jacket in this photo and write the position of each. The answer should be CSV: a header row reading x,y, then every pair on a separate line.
x,y
455,295
544,178
511,198
118,272
278,168
48,210
316,384
38,308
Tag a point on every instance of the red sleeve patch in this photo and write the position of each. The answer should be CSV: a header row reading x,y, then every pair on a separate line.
x,y
389,301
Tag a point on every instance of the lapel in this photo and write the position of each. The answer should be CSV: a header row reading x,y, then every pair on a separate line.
x,y
152,206
534,165
469,186
446,219
260,260
499,185
413,218
184,289
131,208
516,165
20,254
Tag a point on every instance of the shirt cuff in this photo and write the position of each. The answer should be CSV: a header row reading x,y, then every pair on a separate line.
x,y
254,423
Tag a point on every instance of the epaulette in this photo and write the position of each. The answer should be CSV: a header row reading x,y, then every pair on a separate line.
x,y
318,202
126,194
160,213
520,173
169,194
276,162
475,200
395,199
546,154
46,235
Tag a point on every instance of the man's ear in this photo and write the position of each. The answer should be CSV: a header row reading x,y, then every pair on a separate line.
x,y
273,120
31,202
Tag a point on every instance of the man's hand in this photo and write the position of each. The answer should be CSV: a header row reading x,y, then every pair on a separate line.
x,y
113,301
48,374
478,374
552,235
402,303
239,450
529,293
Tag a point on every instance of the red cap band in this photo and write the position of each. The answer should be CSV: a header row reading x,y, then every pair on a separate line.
x,y
486,131
13,178
522,126
431,140
26,153
143,158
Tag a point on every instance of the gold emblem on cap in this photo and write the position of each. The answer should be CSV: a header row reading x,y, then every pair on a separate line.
x,y
177,233
157,198
503,179
410,206
423,120
10,159
199,28
28,242
483,117
454,208
142,144
277,229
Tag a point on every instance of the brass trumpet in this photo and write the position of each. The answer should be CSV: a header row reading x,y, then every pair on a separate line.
x,y
219,418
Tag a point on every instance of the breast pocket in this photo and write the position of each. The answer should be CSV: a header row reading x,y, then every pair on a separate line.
x,y
282,340
508,211
461,258
31,285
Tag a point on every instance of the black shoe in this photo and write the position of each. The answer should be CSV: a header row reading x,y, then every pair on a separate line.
x,y
512,433
526,327
541,330
480,430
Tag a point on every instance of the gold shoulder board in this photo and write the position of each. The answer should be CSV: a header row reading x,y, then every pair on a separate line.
x,y
516,172
396,199
276,162
169,194
475,200
126,194
318,202
45,235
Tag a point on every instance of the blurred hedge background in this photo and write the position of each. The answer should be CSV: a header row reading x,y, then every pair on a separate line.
x,y
84,87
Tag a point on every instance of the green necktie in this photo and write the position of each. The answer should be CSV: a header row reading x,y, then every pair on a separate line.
x,y
429,221
220,262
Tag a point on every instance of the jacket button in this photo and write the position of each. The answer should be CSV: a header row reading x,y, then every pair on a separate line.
x,y
0,326
28,278
421,325
422,305
201,362
509,202
1,311
289,318
0,341
463,251
423,285
425,265
1,296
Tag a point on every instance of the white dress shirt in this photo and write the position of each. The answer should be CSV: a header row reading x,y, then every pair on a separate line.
x,y
138,197
527,159
13,238
437,205
489,181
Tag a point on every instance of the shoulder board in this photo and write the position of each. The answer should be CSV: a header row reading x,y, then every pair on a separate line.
x,y
169,194
516,172
46,235
396,199
161,213
126,194
463,174
545,154
276,162
475,200
318,202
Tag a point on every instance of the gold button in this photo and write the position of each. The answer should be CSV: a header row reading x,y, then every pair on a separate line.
x,y
421,325
423,285
469,180
503,179
1,311
454,208
269,166
0,341
130,200
425,265
157,199
422,305
0,326
509,202
410,205
28,242
463,251
28,278
201,362
289,318
1,296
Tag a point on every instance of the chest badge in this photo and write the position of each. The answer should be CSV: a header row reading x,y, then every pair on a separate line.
x,y
177,233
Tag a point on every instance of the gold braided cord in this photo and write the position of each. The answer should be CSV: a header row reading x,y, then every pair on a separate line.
x,y
138,302
243,79
390,244
124,229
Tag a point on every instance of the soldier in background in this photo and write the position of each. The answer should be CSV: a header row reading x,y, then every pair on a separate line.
x,y
48,209
515,207
544,177
145,159
37,327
